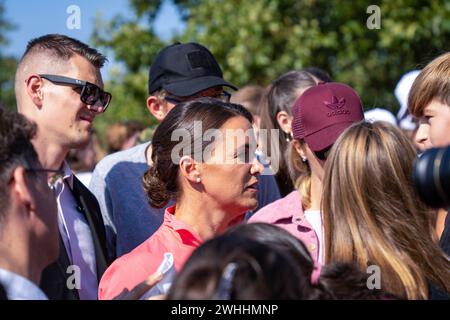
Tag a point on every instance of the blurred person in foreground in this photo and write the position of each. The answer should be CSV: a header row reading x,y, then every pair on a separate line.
x,y
28,213
262,261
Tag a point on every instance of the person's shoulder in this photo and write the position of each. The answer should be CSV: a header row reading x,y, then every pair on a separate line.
x,y
135,154
280,209
119,161
118,276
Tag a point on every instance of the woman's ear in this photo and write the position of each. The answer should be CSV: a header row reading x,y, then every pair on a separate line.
x,y
189,169
300,148
284,121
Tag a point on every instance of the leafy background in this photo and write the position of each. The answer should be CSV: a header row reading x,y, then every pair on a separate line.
x,y
256,41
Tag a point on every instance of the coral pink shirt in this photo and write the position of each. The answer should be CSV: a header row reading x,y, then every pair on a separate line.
x,y
131,269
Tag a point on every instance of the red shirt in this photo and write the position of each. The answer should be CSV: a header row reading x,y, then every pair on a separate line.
x,y
131,269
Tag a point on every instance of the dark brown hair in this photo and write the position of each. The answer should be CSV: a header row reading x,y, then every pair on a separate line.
x,y
336,281
16,150
160,182
64,47
281,97
318,73
262,272
270,263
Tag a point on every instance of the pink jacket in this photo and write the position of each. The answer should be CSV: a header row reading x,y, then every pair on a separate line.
x,y
288,214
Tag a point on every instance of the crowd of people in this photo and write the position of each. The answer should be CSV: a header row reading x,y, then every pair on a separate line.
x,y
284,192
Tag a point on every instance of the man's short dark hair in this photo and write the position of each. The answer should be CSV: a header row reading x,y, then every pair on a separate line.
x,y
65,47
16,150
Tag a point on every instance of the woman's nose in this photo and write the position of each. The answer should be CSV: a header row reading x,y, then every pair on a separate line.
x,y
257,166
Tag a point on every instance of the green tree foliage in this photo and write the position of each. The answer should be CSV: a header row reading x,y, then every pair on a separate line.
x,y
134,45
8,65
256,41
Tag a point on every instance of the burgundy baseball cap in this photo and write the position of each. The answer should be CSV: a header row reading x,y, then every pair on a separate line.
x,y
323,112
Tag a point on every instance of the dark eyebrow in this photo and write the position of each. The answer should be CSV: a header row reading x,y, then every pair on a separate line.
x,y
243,147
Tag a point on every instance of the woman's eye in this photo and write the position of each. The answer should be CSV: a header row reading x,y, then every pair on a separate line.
x,y
244,157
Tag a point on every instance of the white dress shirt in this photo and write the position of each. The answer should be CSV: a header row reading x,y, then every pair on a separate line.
x,y
20,288
77,237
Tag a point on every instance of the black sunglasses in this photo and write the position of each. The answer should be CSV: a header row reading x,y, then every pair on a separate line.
x,y
222,96
90,93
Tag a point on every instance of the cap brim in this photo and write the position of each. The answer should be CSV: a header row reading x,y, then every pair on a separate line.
x,y
190,87
326,137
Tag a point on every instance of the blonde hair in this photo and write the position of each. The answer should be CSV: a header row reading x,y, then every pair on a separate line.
x,y
372,216
432,83
300,173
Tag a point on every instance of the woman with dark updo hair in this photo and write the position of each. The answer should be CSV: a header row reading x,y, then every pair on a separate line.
x,y
203,158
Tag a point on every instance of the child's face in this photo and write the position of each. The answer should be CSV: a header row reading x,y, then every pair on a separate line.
x,y
434,126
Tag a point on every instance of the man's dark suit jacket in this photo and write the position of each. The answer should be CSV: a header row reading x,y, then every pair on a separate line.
x,y
3,295
54,277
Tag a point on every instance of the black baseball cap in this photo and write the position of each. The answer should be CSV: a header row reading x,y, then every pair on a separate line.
x,y
185,69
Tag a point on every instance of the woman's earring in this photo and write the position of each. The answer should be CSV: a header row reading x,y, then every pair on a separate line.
x,y
289,136
304,159
198,179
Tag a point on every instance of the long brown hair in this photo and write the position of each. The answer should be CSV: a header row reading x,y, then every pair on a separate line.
x,y
372,216
281,95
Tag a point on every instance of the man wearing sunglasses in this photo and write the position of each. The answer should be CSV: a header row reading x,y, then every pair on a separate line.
x,y
180,72
28,212
59,87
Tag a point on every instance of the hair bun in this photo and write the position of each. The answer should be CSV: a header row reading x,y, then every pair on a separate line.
x,y
156,190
